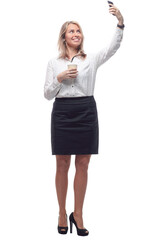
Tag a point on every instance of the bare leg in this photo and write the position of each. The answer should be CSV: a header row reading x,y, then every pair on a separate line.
x,y
61,180
80,184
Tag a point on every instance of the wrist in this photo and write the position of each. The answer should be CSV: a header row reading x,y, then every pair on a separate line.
x,y
59,79
121,26
120,21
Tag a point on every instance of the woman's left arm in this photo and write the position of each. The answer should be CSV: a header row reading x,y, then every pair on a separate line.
x,y
104,54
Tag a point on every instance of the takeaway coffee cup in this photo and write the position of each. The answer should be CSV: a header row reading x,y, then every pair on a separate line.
x,y
72,66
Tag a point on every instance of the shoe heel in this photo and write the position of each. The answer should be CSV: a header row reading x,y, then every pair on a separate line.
x,y
80,232
71,225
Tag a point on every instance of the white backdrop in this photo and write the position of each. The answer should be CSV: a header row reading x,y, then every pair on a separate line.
x,y
122,199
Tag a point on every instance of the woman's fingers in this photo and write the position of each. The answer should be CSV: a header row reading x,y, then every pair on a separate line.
x,y
73,70
112,10
72,73
115,11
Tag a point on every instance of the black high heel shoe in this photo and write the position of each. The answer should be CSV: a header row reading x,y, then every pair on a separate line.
x,y
80,232
62,230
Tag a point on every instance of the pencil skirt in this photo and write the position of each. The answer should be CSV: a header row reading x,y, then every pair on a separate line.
x,y
74,126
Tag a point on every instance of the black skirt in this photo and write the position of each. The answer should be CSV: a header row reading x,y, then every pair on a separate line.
x,y
74,126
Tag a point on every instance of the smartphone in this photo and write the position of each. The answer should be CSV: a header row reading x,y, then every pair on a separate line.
x,y
109,2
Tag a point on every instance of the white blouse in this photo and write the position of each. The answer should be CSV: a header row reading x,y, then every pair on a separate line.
x,y
83,84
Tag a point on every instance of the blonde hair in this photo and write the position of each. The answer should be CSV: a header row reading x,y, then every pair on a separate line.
x,y
62,43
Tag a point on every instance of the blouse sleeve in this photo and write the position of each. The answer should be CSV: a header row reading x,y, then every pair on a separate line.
x,y
104,54
51,86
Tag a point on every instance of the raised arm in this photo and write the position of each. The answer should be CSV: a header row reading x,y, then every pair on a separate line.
x,y
105,53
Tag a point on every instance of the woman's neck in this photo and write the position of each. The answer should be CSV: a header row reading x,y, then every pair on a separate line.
x,y
71,52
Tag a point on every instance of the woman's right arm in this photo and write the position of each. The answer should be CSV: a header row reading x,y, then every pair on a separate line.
x,y
53,83
52,86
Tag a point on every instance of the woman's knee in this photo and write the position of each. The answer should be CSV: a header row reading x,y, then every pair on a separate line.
x,y
63,162
82,162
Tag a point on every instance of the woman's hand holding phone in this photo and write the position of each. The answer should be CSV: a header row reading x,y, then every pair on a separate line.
x,y
115,11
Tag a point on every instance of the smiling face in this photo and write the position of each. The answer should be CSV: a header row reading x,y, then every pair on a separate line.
x,y
73,36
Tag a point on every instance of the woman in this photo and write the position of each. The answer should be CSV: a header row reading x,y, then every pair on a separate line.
x,y
74,120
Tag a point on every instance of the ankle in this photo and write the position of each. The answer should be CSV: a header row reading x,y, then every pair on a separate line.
x,y
78,214
62,213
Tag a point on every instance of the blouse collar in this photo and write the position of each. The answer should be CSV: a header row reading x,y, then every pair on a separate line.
x,y
72,57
